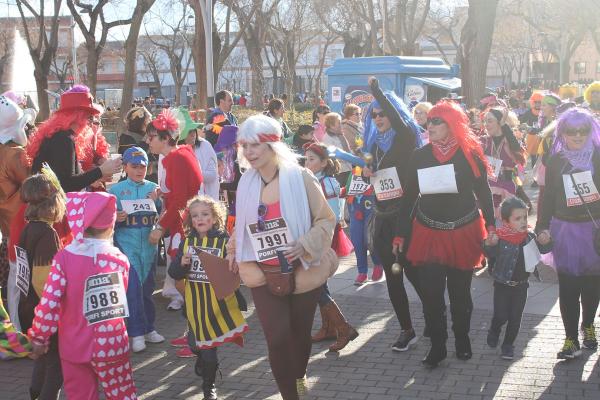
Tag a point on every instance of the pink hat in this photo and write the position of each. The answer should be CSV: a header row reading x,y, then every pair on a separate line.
x,y
90,210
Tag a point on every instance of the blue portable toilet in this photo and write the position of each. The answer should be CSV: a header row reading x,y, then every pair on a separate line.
x,y
413,79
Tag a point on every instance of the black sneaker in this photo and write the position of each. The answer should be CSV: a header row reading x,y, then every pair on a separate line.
x,y
589,337
508,351
569,351
492,339
404,341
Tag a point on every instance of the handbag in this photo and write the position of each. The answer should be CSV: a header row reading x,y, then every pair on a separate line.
x,y
596,236
280,283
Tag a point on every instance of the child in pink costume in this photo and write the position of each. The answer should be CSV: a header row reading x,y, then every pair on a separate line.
x,y
94,348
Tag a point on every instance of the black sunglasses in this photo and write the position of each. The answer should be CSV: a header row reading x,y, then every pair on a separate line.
x,y
260,223
435,121
580,132
380,114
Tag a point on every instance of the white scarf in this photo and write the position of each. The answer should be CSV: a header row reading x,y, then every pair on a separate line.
x,y
293,201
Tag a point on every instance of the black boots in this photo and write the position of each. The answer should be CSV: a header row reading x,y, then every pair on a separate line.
x,y
463,347
436,354
208,371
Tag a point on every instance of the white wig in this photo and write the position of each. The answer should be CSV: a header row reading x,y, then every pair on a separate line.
x,y
255,130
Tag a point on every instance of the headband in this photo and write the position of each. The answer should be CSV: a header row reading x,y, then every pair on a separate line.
x,y
268,137
316,148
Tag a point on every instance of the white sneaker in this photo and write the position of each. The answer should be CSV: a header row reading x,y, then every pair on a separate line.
x,y
154,337
138,344
175,305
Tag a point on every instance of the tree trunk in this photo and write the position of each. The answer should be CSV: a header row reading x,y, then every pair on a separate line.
x,y
475,46
565,69
130,59
199,54
92,68
41,83
256,63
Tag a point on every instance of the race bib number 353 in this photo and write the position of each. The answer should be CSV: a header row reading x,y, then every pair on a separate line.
x,y
387,184
266,242
104,298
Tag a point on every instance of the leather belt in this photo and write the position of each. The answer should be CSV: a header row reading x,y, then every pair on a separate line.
x,y
447,226
516,283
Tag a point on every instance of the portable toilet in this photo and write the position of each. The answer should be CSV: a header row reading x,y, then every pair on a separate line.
x,y
414,79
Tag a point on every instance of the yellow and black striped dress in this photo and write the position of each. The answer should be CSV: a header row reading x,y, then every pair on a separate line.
x,y
213,322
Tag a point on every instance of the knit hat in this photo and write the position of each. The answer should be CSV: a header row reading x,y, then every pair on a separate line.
x,y
13,120
90,210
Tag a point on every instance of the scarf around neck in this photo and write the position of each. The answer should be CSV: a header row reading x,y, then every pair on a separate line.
x,y
580,159
444,150
384,140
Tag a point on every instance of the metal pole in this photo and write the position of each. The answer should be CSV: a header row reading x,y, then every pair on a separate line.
x,y
74,50
207,10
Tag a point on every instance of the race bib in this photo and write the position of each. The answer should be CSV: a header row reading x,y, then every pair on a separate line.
x,y
265,243
437,180
133,206
197,272
387,184
357,186
496,165
532,256
104,298
23,271
584,183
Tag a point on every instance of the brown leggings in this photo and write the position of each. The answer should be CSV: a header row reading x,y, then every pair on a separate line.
x,y
287,323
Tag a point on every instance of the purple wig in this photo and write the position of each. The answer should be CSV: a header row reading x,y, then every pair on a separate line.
x,y
576,118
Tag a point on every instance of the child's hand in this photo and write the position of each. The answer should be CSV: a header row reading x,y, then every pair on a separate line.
x,y
544,237
155,236
367,172
155,194
492,239
295,251
186,259
121,216
38,350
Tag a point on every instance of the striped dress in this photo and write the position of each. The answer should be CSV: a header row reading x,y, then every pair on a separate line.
x,y
212,321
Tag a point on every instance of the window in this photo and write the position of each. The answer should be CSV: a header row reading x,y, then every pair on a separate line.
x,y
579,67
598,67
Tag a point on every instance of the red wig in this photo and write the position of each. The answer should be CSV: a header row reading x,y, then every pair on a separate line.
x,y
95,148
60,121
458,122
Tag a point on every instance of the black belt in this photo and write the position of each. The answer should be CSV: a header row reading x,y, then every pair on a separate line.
x,y
447,226
515,283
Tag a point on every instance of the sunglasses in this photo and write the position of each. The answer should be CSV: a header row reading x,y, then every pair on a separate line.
x,y
578,132
435,121
260,223
380,114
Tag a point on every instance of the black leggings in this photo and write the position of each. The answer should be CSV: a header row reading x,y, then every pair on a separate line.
x,y
434,278
570,290
395,282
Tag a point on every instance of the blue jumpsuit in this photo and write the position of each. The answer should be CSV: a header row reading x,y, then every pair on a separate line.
x,y
131,237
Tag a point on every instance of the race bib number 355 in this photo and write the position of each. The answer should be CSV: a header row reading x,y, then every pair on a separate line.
x,y
584,183
104,298
387,184
266,242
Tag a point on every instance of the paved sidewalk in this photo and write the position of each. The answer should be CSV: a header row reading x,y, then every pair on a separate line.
x,y
367,368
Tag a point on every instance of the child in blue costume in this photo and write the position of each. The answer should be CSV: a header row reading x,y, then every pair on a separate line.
x,y
137,205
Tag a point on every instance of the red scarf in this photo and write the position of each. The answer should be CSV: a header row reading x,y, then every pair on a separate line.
x,y
444,150
507,233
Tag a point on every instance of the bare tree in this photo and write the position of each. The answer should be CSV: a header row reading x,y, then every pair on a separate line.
x,y
153,64
41,35
94,44
174,41
255,37
7,37
475,46
443,30
61,69
140,10
406,21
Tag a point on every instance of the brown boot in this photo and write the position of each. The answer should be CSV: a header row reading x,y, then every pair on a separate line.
x,y
327,331
345,332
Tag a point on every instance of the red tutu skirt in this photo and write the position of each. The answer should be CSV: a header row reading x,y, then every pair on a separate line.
x,y
341,243
460,248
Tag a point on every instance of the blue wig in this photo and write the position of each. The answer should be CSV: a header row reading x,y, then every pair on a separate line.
x,y
371,130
